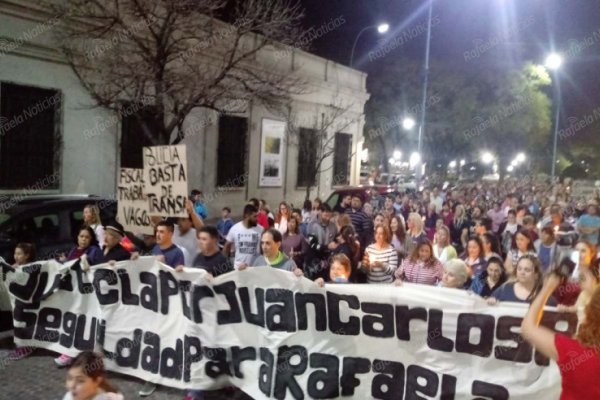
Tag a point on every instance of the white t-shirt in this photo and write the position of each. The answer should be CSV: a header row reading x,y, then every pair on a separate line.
x,y
99,230
188,242
281,226
246,242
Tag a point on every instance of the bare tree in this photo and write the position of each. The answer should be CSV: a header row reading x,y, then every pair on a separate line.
x,y
173,56
318,142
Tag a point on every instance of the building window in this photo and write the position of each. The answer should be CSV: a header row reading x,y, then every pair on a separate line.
x,y
307,157
342,157
29,137
139,129
231,151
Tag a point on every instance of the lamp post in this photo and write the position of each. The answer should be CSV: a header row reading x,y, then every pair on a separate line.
x,y
553,63
381,28
425,83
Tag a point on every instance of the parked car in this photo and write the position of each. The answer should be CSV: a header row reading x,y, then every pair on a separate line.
x,y
49,222
364,192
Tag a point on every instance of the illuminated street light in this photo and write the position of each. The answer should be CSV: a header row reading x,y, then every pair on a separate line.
x,y
408,123
520,157
397,154
514,163
487,157
391,160
510,168
383,28
415,158
462,162
452,164
553,61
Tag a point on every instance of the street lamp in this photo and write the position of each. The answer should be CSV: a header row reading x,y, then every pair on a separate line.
x,y
397,155
415,159
452,164
553,63
408,123
462,163
381,28
487,157
520,157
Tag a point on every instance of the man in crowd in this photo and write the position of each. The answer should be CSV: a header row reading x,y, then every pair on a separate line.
x,y
210,258
388,208
323,227
186,231
360,220
437,199
245,238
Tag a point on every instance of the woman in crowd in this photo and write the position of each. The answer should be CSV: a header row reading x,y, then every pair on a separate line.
x,y
474,257
398,236
86,379
24,254
491,247
525,285
578,358
281,220
459,228
294,244
380,259
456,274
416,234
522,245
431,218
91,217
489,280
86,244
420,267
348,245
442,249
339,271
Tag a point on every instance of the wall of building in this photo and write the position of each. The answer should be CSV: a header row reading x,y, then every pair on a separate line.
x,y
90,152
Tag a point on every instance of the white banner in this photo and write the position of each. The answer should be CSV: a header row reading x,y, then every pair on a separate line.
x,y
278,336
165,180
132,202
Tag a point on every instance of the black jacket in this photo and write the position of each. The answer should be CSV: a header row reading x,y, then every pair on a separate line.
x,y
117,253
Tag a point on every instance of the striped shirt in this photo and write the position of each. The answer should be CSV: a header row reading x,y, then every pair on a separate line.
x,y
418,272
388,257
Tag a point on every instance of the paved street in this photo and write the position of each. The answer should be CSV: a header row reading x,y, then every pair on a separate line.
x,y
36,377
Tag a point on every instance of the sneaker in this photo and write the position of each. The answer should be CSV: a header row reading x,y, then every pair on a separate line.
x,y
147,389
63,360
18,354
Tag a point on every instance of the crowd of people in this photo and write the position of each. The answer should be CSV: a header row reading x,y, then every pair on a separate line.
x,y
500,242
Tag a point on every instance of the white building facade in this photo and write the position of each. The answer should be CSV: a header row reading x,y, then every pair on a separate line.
x,y
53,139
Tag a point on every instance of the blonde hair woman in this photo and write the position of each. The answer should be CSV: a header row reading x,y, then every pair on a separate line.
x,y
91,218
416,234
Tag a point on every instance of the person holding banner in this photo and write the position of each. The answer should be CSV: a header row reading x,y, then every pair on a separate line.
x,y
113,251
525,285
272,256
165,250
494,276
339,271
210,257
86,244
578,357
456,274
24,254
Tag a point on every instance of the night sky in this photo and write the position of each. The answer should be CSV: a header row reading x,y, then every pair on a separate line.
x,y
509,32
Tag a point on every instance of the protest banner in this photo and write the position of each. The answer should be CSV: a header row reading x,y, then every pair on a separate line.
x,y
165,180
278,336
132,211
